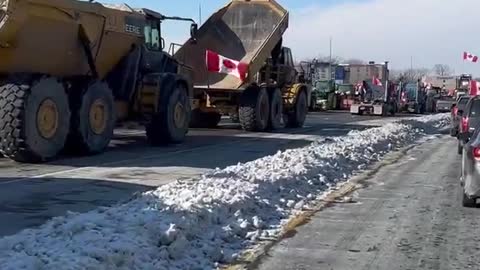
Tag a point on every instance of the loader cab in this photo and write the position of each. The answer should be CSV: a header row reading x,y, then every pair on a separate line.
x,y
286,65
153,37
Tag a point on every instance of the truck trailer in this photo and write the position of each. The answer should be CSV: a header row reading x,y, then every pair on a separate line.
x,y
271,95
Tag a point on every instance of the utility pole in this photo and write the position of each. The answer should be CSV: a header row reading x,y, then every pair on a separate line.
x,y
330,60
200,12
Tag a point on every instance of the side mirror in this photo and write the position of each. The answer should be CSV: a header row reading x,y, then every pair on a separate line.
x,y
193,30
162,43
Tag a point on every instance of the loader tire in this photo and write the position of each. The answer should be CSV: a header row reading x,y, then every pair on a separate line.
x,y
93,120
34,120
254,109
276,109
296,118
205,119
171,121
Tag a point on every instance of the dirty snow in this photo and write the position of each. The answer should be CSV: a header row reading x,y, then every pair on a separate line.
x,y
209,221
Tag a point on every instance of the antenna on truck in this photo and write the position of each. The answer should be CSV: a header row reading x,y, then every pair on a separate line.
x,y
200,12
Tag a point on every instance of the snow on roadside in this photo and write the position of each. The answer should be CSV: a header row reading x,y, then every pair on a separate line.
x,y
199,224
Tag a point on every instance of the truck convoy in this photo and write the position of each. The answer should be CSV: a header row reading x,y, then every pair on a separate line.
x,y
71,70
270,96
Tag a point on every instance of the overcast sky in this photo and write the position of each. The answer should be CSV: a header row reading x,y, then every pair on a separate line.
x,y
429,31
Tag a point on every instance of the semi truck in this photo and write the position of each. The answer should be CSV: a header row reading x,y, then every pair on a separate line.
x,y
413,97
70,71
271,96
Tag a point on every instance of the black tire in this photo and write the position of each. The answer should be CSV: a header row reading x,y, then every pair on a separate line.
x,y
201,119
173,102
459,148
235,118
22,136
296,118
254,109
276,109
87,135
468,202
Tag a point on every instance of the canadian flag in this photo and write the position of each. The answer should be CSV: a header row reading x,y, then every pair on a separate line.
x,y
221,64
470,57
474,88
376,81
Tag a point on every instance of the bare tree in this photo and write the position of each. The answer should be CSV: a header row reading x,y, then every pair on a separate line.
x,y
442,70
409,75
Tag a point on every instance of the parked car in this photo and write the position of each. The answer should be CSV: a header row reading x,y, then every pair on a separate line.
x,y
469,122
470,174
456,117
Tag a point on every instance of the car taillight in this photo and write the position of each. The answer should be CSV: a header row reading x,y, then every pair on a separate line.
x,y
476,153
465,124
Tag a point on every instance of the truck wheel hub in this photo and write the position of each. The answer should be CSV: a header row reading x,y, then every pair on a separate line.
x,y
179,115
98,117
47,119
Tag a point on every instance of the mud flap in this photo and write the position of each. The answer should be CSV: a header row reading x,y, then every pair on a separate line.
x,y
378,110
355,109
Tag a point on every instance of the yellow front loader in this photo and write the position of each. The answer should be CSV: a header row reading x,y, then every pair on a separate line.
x,y
71,70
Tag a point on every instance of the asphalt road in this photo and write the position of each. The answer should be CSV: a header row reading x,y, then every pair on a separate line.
x,y
31,194
409,216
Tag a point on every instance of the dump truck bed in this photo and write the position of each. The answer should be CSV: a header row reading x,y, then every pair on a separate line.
x,y
242,30
42,36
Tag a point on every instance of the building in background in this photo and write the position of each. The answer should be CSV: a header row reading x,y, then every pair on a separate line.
x,y
356,73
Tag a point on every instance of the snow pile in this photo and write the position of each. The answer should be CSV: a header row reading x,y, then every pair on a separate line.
x,y
200,224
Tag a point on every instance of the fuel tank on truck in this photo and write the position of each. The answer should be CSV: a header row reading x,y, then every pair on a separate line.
x,y
244,30
45,36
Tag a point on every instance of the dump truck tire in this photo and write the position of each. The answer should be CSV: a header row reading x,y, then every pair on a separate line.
x,y
296,118
171,122
276,109
254,109
205,119
34,120
93,120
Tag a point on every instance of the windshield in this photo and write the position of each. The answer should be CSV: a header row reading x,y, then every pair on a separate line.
x,y
152,35
446,98
411,91
322,86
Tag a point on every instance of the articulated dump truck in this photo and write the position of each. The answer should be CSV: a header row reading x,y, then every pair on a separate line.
x,y
71,70
270,97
